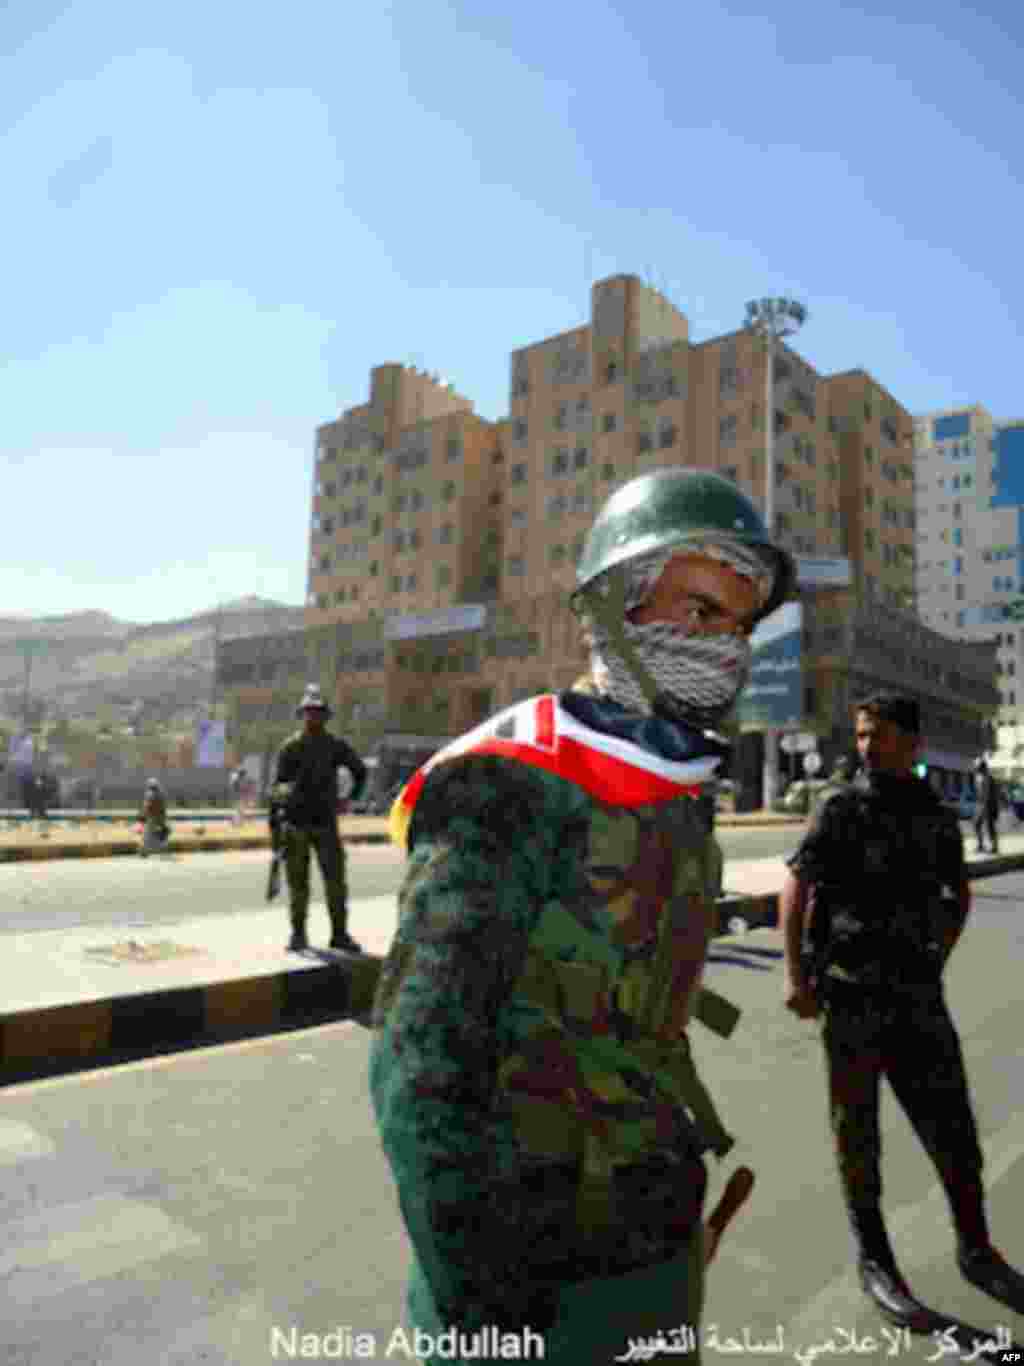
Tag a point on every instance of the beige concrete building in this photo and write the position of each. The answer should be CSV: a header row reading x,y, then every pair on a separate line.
x,y
443,546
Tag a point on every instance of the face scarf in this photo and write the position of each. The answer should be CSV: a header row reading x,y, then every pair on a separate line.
x,y
700,675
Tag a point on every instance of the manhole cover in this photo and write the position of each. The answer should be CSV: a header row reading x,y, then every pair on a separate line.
x,y
132,951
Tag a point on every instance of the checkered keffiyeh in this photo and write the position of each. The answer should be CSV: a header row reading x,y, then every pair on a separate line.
x,y
702,675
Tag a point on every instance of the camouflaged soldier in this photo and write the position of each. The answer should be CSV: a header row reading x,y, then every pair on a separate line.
x,y
876,898
530,1073
304,812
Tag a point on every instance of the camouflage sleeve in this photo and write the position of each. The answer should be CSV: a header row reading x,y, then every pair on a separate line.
x,y
485,845
815,857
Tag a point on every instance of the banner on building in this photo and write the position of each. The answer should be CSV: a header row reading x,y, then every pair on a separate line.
x,y
210,743
823,572
466,617
20,754
774,697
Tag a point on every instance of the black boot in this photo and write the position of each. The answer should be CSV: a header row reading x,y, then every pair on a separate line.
x,y
879,1275
341,939
298,941
985,1268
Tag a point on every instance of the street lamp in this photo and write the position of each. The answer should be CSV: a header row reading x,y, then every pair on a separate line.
x,y
772,319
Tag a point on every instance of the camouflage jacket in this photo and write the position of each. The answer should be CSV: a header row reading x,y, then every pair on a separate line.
x,y
530,1074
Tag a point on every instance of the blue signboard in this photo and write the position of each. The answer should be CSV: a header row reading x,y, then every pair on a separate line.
x,y
774,697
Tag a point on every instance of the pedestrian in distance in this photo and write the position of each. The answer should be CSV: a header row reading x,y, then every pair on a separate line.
x,y
875,899
152,817
236,783
531,1073
304,810
986,808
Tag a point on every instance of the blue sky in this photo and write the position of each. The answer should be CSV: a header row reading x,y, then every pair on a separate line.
x,y
219,217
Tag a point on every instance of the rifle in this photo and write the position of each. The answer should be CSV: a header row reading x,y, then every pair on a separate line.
x,y
279,848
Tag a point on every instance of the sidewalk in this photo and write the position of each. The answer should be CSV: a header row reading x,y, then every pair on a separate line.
x,y
85,996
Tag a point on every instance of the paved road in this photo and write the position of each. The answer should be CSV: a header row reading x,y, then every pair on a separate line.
x,y
180,1210
128,892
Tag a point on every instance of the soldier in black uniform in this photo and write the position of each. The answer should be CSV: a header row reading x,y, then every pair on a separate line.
x,y
304,812
876,897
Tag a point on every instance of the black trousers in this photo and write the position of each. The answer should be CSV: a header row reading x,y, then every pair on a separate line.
x,y
909,1038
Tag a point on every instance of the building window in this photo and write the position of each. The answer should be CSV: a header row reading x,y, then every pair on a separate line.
x,y
374,569
396,583
609,422
417,500
378,484
607,471
453,450
444,535
516,566
414,540
644,441
560,460
666,434
561,418
444,576
519,429
580,501
517,474
557,554
579,459
727,428
410,582
375,526
331,490
611,372
557,506
518,517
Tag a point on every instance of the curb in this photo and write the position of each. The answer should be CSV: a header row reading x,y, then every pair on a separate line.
x,y
26,853
59,1039
23,853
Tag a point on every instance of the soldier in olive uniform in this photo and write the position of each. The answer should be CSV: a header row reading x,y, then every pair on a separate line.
x,y
304,812
876,897
530,1072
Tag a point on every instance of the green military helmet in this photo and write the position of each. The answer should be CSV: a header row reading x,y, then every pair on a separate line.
x,y
671,507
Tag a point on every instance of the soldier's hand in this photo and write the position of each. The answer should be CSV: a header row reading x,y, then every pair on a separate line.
x,y
801,1000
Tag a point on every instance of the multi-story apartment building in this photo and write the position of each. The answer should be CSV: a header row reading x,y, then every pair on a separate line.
x,y
443,546
970,552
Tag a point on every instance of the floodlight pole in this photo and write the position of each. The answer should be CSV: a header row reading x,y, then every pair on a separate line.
x,y
772,319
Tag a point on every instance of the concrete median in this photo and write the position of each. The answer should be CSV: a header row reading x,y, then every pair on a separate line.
x,y
86,997
78,837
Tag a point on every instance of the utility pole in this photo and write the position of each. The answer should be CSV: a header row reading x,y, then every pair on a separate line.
x,y
772,319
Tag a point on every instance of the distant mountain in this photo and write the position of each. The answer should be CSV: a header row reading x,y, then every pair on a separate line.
x,y
88,661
